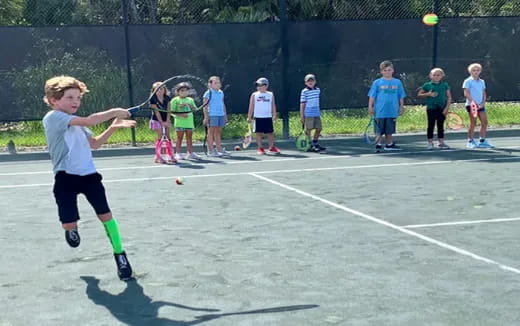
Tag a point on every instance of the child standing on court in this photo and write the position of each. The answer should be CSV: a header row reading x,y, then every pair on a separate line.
x,y
475,91
438,100
184,123
160,119
386,103
215,117
262,109
310,111
70,142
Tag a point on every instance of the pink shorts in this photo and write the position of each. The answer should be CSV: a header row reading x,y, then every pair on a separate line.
x,y
155,125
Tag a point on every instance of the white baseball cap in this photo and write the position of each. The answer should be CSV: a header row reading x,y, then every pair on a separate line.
x,y
262,81
309,76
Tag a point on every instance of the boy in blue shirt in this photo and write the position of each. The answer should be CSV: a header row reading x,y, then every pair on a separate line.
x,y
386,103
310,111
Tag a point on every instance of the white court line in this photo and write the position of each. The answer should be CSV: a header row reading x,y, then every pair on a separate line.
x,y
390,225
279,171
496,220
322,157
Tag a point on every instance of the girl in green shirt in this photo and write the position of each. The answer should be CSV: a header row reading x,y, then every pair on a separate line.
x,y
184,123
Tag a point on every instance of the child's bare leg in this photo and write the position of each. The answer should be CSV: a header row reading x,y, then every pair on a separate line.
x,y
259,139
159,133
317,134
472,124
189,141
388,139
70,226
483,124
178,142
209,140
218,138
270,139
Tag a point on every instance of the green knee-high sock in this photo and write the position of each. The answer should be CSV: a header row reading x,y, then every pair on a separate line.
x,y
113,234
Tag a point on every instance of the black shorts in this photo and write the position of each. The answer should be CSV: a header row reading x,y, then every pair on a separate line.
x,y
264,125
67,187
385,126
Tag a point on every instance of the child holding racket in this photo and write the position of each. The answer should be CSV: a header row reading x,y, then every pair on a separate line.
x,y
438,100
386,103
475,91
215,117
262,108
160,119
70,143
184,123
310,111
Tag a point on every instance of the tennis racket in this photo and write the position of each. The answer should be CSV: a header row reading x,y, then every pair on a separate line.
x,y
194,82
248,137
303,141
164,150
473,109
454,121
372,134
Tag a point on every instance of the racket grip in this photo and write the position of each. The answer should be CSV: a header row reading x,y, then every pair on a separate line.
x,y
133,110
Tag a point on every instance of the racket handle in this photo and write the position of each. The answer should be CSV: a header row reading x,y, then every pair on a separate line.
x,y
134,110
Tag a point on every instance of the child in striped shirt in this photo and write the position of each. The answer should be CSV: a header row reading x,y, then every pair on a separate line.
x,y
310,111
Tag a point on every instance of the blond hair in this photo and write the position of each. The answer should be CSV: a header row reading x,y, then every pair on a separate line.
x,y
474,65
56,87
434,70
213,79
385,64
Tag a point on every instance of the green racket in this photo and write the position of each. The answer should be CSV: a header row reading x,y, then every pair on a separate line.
x,y
303,141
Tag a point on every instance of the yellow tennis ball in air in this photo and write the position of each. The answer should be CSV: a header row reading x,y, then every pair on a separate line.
x,y
430,19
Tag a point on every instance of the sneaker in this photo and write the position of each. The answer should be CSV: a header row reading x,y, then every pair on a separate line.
x,y
124,270
214,153
261,151
471,144
430,146
194,156
321,148
314,149
392,147
274,150
379,148
223,152
72,237
443,146
483,143
178,156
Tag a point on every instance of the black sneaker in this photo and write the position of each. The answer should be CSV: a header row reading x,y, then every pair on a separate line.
x,y
124,270
379,148
392,147
72,237
314,149
320,148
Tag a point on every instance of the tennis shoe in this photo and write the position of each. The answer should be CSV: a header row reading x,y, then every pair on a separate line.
x,y
392,147
223,152
379,148
314,149
214,153
471,144
274,150
483,143
72,237
194,156
124,270
443,146
430,146
260,151
179,156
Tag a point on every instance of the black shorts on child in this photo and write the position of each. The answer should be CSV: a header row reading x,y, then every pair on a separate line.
x,y
264,125
67,187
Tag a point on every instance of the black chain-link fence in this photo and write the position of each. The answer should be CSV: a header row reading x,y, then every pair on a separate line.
x,y
341,42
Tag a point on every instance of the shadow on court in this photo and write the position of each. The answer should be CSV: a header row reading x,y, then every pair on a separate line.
x,y
134,307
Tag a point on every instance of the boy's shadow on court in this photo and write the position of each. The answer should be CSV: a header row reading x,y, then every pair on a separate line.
x,y
134,307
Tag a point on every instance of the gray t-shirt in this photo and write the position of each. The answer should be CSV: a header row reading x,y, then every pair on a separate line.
x,y
69,146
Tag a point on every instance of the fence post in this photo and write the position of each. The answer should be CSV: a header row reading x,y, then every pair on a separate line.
x,y
284,103
128,61
435,35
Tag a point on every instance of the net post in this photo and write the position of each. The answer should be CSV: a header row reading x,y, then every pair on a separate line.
x,y
128,64
284,100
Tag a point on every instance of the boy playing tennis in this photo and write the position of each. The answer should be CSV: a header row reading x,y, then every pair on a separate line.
x,y
184,123
386,103
262,108
70,142
215,117
475,90
310,111
438,101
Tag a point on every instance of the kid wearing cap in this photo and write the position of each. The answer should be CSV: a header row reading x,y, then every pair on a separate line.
x,y
310,111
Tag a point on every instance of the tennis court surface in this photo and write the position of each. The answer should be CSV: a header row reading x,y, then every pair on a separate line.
x,y
415,237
